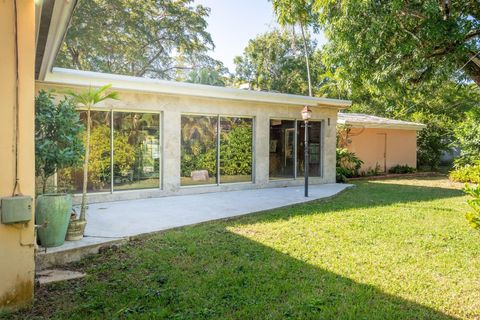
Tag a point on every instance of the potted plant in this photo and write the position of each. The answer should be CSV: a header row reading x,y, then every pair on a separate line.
x,y
86,100
57,146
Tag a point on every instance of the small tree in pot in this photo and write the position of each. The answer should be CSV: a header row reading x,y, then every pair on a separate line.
x,y
57,145
86,99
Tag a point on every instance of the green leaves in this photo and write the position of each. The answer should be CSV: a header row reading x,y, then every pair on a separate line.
x,y
275,61
57,136
151,38
473,217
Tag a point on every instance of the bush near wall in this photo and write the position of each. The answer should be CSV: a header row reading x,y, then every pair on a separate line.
x,y
468,173
401,169
348,165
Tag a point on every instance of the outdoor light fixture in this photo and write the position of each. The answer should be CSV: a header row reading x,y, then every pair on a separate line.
x,y
306,115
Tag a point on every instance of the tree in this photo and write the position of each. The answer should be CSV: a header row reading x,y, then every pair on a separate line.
x,y
57,141
88,99
403,43
151,38
292,12
208,77
467,134
272,62
433,140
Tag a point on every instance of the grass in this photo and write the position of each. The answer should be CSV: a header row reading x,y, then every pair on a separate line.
x,y
394,249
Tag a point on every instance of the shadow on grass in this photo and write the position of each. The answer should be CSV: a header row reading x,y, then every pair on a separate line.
x,y
206,272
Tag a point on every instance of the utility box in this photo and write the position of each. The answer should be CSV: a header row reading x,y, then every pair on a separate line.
x,y
16,209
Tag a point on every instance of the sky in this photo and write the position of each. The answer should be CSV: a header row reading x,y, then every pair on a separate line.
x,y
233,22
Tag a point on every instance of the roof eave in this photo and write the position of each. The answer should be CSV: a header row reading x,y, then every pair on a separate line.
x,y
369,125
69,77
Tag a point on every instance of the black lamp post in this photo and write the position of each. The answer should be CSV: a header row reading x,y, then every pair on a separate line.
x,y
306,115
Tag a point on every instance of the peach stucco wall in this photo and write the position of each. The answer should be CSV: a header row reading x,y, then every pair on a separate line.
x,y
400,147
17,241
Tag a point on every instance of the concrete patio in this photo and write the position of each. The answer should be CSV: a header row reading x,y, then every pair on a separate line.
x,y
114,223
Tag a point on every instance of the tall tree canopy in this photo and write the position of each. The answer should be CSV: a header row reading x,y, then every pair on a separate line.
x,y
274,61
406,41
151,38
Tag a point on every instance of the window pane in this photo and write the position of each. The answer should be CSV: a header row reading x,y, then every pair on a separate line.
x,y
99,158
235,149
282,146
198,150
314,141
136,150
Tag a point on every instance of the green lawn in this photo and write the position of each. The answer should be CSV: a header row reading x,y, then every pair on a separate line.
x,y
393,249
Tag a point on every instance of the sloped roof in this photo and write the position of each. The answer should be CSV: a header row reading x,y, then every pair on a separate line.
x,y
69,77
369,121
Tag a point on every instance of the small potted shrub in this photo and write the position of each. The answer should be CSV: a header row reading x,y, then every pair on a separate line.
x,y
86,99
57,146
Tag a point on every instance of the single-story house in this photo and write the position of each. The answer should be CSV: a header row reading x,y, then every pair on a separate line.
x,y
380,143
163,137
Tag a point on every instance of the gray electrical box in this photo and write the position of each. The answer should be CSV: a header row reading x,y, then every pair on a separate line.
x,y
16,209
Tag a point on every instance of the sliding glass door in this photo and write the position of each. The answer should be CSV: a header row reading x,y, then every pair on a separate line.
x,y
287,147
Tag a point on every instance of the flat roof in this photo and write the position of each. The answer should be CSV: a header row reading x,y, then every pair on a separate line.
x,y
69,77
369,121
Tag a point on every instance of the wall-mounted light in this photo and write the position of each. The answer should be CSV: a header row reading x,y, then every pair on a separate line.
x,y
328,122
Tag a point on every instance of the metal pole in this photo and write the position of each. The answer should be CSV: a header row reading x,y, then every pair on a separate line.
x,y
305,166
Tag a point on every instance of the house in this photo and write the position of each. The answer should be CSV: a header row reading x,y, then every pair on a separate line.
x,y
161,138
381,143
190,138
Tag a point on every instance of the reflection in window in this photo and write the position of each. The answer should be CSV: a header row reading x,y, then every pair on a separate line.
x,y
314,138
198,150
282,149
99,169
136,150
235,149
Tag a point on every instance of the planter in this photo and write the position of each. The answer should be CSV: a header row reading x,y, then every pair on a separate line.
x,y
54,209
75,231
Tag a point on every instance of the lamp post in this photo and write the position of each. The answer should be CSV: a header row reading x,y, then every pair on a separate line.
x,y
306,115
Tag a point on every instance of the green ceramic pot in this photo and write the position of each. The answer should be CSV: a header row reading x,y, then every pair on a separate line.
x,y
54,209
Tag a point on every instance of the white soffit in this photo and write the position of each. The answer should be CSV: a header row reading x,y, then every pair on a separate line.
x,y
69,77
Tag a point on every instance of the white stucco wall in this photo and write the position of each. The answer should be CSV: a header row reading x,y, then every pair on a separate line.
x,y
171,109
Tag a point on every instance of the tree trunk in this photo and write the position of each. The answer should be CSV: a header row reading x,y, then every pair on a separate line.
x,y
85,169
307,61
472,69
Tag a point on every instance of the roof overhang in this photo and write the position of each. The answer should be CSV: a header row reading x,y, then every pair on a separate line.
x,y
77,78
374,125
52,18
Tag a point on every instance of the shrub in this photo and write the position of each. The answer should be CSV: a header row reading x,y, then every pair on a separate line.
x,y
473,216
401,169
468,173
348,165
467,135
57,136
433,140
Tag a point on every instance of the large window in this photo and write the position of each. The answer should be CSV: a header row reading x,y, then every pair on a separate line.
x,y
216,149
136,153
99,168
282,149
236,138
199,150
287,146
136,150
